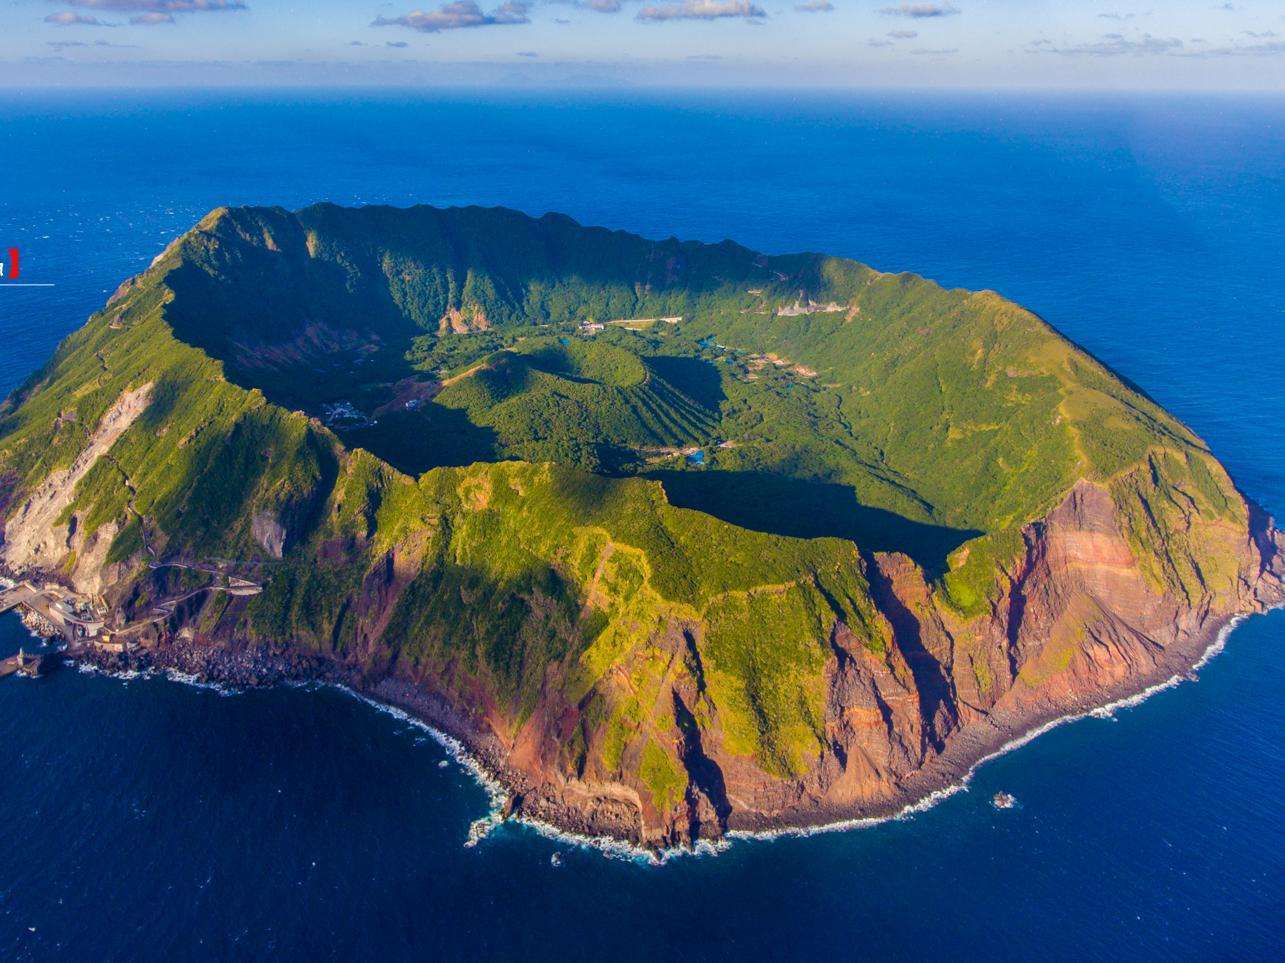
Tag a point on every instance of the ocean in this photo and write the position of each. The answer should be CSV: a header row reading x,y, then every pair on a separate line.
x,y
146,818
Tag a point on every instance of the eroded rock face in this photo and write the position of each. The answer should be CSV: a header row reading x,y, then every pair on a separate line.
x,y
1080,622
458,321
270,533
623,665
1079,626
35,537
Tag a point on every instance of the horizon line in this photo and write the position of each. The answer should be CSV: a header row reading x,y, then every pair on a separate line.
x,y
629,87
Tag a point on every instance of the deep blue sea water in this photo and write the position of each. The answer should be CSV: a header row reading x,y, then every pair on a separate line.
x,y
147,819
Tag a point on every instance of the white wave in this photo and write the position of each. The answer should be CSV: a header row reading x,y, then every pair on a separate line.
x,y
480,828
498,795
857,822
618,849
1109,710
191,678
92,668
173,675
614,848
121,675
938,795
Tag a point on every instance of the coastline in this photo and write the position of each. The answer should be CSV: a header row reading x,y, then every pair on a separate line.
x,y
948,775
1104,711
951,772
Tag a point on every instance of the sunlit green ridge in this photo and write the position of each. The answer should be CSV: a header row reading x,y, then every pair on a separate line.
x,y
810,409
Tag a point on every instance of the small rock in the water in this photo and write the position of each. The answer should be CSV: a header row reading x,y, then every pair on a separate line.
x,y
480,829
555,859
443,764
1003,800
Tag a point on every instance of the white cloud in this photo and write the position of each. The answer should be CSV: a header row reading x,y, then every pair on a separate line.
x,y
158,6
1111,45
702,10
65,18
920,11
457,16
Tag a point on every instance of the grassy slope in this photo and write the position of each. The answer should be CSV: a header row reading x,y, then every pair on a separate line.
x,y
943,405
542,398
525,566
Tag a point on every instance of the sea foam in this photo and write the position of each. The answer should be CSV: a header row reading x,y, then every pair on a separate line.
x,y
614,848
937,796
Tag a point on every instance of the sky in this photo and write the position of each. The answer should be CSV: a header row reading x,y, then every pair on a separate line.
x,y
1206,45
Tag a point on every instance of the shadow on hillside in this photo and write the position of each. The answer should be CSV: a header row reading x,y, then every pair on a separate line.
x,y
697,379
432,437
810,509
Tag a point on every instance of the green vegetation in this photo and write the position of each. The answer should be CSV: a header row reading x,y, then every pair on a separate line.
x,y
585,403
519,511
662,775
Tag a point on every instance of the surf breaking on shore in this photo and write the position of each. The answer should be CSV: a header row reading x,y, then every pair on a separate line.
x,y
499,797
619,849
930,800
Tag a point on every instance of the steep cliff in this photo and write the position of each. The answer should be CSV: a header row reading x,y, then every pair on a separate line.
x,y
917,523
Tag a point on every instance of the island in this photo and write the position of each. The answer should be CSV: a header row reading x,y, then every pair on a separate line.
x,y
676,539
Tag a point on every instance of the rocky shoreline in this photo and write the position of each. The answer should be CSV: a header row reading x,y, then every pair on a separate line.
x,y
952,770
242,667
904,724
626,664
614,827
